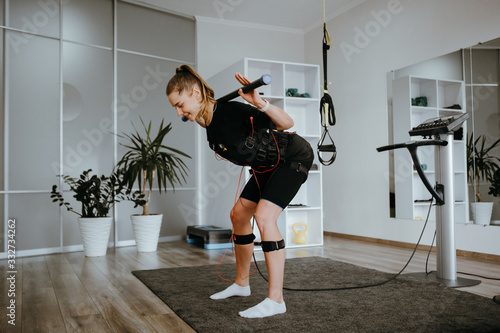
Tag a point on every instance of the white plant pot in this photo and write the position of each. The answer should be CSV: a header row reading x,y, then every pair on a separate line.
x,y
147,231
481,212
94,232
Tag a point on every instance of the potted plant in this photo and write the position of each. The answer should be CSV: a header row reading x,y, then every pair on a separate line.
x,y
494,189
97,195
148,158
481,166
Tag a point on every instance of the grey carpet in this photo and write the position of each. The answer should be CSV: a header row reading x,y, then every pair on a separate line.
x,y
403,305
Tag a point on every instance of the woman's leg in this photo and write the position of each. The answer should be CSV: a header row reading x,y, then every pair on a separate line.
x,y
241,215
266,216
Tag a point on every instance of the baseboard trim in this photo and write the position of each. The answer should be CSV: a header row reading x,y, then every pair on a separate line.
x,y
460,253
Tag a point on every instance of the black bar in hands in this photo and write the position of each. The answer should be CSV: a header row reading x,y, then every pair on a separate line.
x,y
263,80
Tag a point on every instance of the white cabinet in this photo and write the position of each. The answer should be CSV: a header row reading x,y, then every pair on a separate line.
x,y
307,206
444,98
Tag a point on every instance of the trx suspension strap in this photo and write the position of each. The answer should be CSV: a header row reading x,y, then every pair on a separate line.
x,y
326,109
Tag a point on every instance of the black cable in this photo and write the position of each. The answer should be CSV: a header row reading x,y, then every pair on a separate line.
x,y
362,286
484,277
427,260
429,254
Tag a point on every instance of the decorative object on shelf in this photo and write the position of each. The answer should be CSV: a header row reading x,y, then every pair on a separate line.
x,y
300,230
481,165
97,195
419,101
297,205
294,92
454,107
423,166
146,159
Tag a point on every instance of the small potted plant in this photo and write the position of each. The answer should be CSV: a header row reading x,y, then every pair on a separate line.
x,y
97,195
148,158
481,165
494,189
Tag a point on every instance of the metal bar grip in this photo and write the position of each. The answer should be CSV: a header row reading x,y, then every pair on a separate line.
x,y
263,80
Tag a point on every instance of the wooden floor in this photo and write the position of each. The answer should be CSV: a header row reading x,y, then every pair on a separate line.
x,y
72,293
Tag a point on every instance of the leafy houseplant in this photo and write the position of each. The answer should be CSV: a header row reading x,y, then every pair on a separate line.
x,y
97,195
494,189
481,165
148,158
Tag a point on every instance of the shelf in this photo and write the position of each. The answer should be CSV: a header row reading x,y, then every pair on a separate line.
x,y
306,116
408,185
301,100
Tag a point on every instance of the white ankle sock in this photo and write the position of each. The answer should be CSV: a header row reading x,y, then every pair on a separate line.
x,y
232,290
266,308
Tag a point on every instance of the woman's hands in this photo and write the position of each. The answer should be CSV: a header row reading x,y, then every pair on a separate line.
x,y
252,96
280,118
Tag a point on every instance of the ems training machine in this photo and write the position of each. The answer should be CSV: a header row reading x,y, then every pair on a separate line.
x,y
263,80
440,132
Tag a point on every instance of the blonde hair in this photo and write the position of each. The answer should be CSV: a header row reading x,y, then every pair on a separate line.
x,y
184,79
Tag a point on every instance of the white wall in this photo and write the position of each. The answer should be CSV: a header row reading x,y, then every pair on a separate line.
x,y
369,41
222,43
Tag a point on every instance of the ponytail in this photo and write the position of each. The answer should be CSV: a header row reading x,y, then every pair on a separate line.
x,y
184,79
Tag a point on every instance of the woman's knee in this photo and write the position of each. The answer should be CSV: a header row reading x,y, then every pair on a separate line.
x,y
266,217
264,222
241,214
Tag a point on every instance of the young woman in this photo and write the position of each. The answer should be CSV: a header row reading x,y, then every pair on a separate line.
x,y
250,134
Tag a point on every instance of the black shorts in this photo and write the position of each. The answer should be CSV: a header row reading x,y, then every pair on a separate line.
x,y
280,185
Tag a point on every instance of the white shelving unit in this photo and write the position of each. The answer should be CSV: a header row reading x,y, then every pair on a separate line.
x,y
305,113
410,191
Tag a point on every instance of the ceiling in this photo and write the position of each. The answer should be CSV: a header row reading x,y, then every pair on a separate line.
x,y
302,15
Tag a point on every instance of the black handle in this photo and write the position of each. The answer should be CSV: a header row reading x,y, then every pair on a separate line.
x,y
437,193
411,144
263,80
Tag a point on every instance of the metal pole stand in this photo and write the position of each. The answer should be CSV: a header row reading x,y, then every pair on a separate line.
x,y
446,259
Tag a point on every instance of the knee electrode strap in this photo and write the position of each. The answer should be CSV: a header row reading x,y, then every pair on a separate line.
x,y
272,246
243,239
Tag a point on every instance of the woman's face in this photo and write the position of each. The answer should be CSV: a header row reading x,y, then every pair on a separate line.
x,y
187,103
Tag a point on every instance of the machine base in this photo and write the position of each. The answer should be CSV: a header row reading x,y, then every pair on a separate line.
x,y
458,283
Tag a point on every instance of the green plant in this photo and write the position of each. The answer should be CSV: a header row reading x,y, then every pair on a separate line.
x,y
148,158
481,165
96,194
495,184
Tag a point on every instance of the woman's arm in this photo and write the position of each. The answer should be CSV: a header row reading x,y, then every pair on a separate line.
x,y
279,117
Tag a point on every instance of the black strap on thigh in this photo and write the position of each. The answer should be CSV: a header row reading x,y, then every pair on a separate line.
x,y
243,239
272,246
299,167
